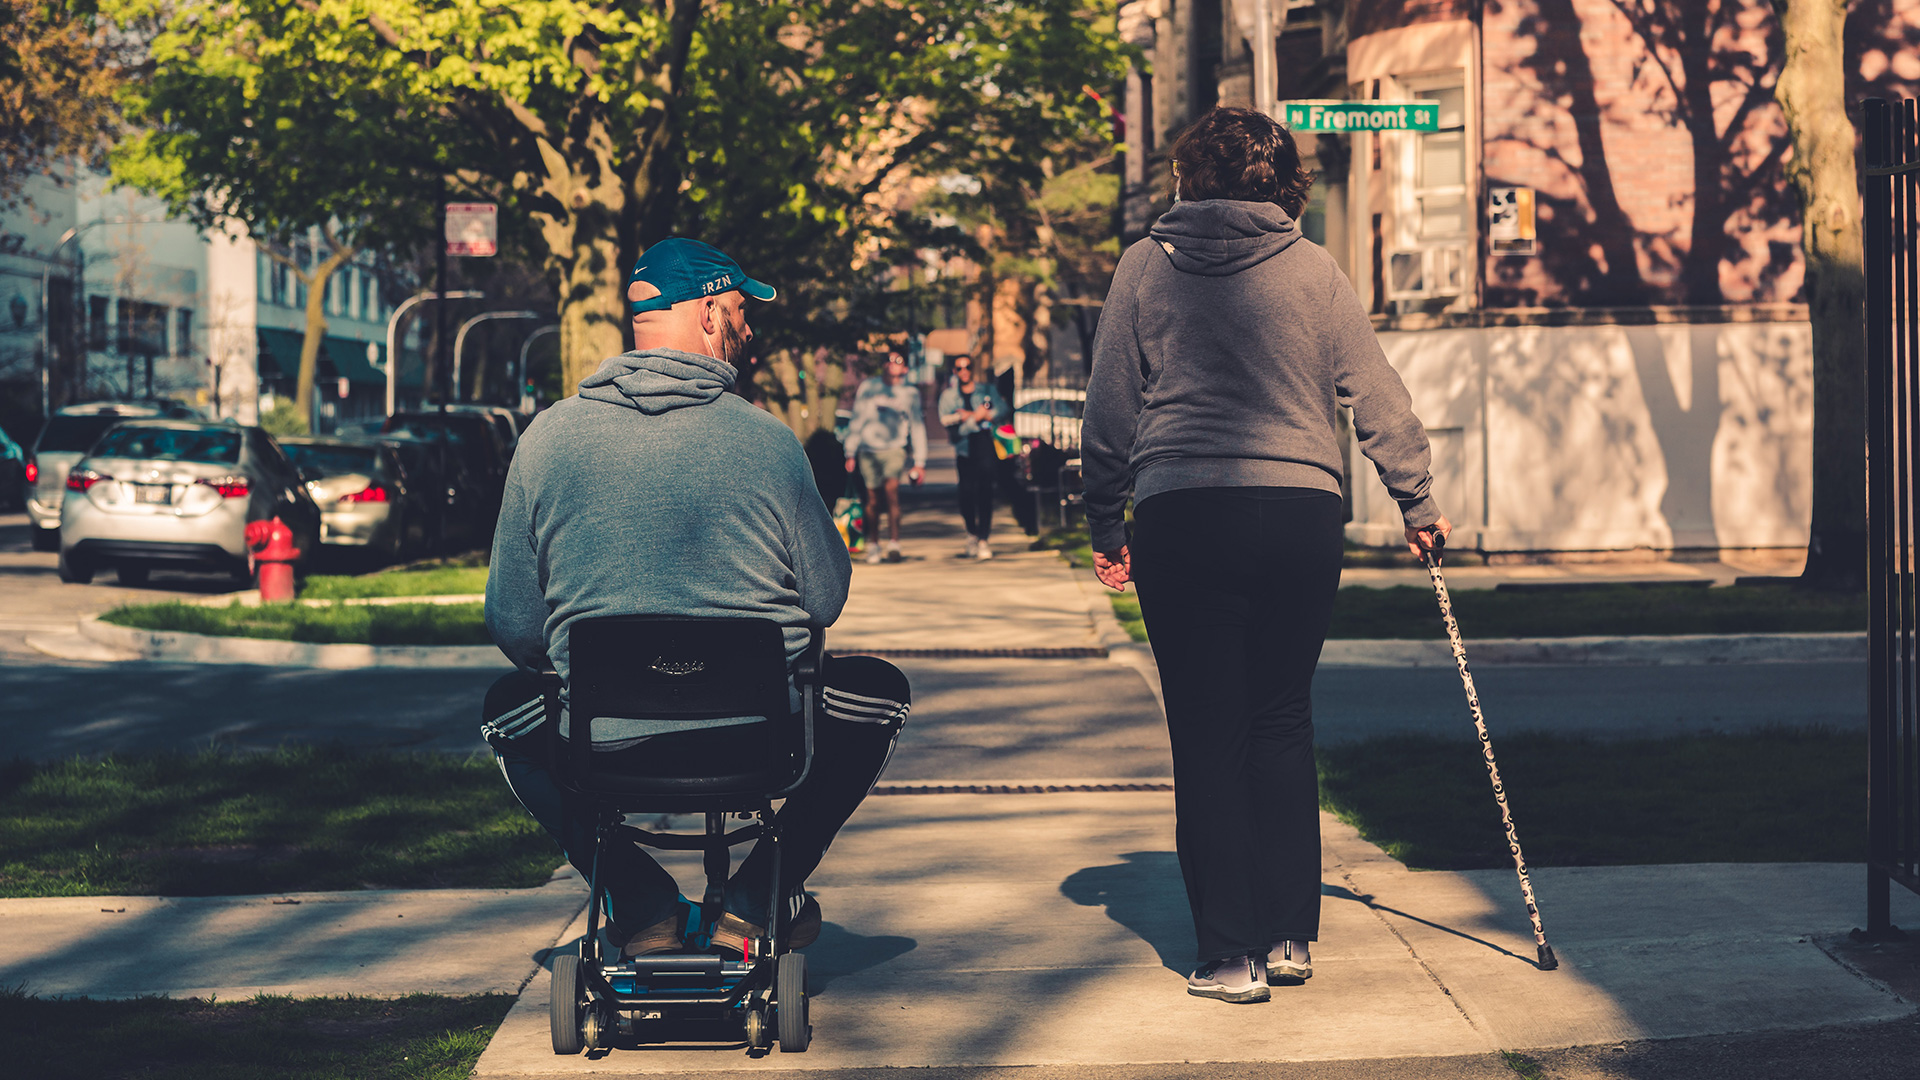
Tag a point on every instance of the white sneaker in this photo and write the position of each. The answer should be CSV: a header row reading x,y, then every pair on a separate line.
x,y
893,552
1239,979
973,546
984,551
1289,960
872,555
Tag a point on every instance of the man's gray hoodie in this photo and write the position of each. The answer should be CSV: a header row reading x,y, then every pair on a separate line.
x,y
657,492
1222,353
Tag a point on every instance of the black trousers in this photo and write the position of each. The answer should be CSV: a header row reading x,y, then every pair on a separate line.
x,y
976,488
864,700
1236,586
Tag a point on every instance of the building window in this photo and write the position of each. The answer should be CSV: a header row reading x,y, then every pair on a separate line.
x,y
1434,223
142,328
96,322
183,332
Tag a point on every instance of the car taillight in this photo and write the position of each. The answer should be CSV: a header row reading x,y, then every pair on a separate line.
x,y
230,488
81,481
33,472
370,493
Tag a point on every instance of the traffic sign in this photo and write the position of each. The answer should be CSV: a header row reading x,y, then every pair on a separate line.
x,y
1352,116
473,228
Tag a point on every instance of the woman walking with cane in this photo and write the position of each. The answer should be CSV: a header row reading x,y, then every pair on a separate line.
x,y
1226,345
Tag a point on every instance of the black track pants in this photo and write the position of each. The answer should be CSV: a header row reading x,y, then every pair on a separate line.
x,y
863,702
1236,587
976,489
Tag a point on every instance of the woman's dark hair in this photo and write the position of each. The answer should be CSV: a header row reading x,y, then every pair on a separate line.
x,y
1240,154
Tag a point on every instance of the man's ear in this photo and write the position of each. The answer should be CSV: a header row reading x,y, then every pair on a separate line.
x,y
710,318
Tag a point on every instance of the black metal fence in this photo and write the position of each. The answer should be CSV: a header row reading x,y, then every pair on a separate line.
x,y
1891,232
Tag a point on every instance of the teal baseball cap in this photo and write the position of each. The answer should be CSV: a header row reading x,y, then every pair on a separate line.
x,y
684,269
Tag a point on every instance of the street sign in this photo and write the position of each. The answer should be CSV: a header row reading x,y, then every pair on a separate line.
x,y
1352,116
473,228
1510,220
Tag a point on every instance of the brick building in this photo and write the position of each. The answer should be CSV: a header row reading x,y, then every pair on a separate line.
x,y
1633,371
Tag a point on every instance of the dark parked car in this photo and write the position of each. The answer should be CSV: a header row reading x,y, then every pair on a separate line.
x,y
13,473
454,491
368,500
473,444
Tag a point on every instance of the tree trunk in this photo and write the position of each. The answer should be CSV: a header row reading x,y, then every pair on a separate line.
x,y
1812,93
316,328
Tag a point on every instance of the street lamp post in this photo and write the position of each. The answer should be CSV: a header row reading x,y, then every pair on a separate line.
x,y
526,402
393,323
460,337
46,322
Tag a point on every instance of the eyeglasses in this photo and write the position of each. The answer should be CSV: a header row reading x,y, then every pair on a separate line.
x,y
896,362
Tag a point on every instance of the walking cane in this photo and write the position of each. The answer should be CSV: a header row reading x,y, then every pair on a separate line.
x,y
1432,559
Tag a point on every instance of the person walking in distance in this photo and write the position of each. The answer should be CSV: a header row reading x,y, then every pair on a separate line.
x,y
1226,347
971,410
888,425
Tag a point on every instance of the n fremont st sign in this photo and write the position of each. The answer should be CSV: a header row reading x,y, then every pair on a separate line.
x,y
1351,116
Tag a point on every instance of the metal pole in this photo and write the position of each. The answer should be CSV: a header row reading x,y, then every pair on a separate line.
x,y
393,324
460,338
1264,79
1876,214
526,345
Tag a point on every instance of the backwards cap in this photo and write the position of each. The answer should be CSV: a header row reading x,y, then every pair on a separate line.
x,y
684,269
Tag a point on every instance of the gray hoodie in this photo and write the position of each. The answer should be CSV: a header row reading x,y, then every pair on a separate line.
x,y
1223,351
656,492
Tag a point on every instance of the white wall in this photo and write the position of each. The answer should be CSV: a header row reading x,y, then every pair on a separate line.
x,y
1598,438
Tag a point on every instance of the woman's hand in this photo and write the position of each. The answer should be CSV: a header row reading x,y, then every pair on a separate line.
x,y
1431,538
1113,569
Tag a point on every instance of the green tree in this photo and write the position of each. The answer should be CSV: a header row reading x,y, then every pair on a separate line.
x,y
244,119
774,130
58,72
1812,91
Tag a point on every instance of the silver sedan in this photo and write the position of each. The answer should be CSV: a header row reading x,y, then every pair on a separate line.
x,y
178,494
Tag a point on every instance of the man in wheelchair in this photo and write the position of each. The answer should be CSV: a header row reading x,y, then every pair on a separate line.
x,y
657,492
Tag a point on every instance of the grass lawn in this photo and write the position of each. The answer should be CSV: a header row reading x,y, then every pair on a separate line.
x,y
413,1038
299,819
425,581
1778,796
385,624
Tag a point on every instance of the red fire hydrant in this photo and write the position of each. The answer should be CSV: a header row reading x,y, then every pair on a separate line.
x,y
273,557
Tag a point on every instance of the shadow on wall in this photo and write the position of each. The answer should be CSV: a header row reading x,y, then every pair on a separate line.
x,y
1679,369
1723,230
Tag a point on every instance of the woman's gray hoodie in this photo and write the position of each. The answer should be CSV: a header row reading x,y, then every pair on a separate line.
x,y
1223,351
656,492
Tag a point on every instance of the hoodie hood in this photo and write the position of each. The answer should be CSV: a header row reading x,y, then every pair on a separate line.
x,y
658,380
1217,237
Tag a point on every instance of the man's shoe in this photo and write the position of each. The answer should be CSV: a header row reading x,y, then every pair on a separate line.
x,y
872,555
1289,960
1241,980
985,552
731,934
661,937
893,553
973,548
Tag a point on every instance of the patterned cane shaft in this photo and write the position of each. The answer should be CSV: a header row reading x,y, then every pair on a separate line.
x,y
1486,751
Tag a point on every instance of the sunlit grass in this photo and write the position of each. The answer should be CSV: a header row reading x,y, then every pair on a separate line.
x,y
298,819
432,581
365,624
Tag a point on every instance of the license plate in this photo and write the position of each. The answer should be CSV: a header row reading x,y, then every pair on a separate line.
x,y
160,494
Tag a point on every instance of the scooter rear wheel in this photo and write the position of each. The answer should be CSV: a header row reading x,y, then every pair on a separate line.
x,y
568,1008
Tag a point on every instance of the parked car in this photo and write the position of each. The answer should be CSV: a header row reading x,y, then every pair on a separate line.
x,y
1055,420
368,500
180,494
474,446
455,492
502,419
13,473
63,440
